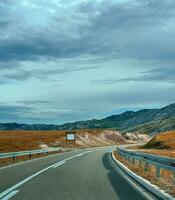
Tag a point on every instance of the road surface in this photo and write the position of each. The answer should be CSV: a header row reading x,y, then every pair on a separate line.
x,y
79,175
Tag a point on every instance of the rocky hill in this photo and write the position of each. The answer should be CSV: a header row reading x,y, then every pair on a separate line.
x,y
145,121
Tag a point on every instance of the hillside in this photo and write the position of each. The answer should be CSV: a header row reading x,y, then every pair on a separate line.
x,y
162,144
164,141
145,121
27,140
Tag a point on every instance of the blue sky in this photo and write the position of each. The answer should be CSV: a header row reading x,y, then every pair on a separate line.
x,y
64,60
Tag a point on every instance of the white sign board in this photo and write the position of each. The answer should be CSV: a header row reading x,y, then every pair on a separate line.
x,y
70,136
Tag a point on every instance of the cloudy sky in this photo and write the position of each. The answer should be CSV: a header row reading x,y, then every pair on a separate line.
x,y
68,60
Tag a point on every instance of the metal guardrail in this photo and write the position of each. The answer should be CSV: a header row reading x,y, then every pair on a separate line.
x,y
160,162
29,153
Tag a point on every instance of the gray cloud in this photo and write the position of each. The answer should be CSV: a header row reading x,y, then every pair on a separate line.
x,y
160,75
12,112
155,75
133,25
34,102
4,23
26,112
99,55
20,73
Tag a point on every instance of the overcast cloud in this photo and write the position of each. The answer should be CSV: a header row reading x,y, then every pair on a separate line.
x,y
64,60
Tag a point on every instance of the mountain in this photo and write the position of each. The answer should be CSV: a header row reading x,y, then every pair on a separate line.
x,y
150,121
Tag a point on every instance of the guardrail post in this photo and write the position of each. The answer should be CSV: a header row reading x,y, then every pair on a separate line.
x,y
146,167
173,176
157,171
133,161
13,155
129,159
140,163
14,158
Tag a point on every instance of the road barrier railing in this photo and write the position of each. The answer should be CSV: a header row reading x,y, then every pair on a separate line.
x,y
159,162
14,155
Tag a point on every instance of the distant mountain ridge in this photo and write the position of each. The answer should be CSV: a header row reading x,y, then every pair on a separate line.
x,y
146,121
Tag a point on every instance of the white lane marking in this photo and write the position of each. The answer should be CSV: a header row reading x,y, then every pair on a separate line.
x,y
11,194
32,176
71,158
81,154
60,163
88,151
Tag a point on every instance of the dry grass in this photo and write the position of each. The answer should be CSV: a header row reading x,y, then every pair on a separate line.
x,y
165,182
11,141
163,141
28,140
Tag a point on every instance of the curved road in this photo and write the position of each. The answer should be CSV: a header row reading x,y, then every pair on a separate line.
x,y
77,175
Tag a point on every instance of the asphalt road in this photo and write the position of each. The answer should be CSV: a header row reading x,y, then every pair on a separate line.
x,y
77,175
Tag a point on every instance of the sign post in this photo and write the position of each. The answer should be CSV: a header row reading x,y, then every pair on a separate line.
x,y
71,137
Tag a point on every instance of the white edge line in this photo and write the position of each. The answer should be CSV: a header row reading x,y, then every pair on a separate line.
x,y
150,187
11,194
81,154
89,151
133,184
59,164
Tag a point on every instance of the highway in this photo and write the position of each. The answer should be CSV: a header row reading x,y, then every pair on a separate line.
x,y
88,174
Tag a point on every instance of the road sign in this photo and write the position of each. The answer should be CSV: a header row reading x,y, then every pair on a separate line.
x,y
70,136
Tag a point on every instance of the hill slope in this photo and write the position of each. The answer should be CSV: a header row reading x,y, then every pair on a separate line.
x,y
162,144
146,121
162,141
27,140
